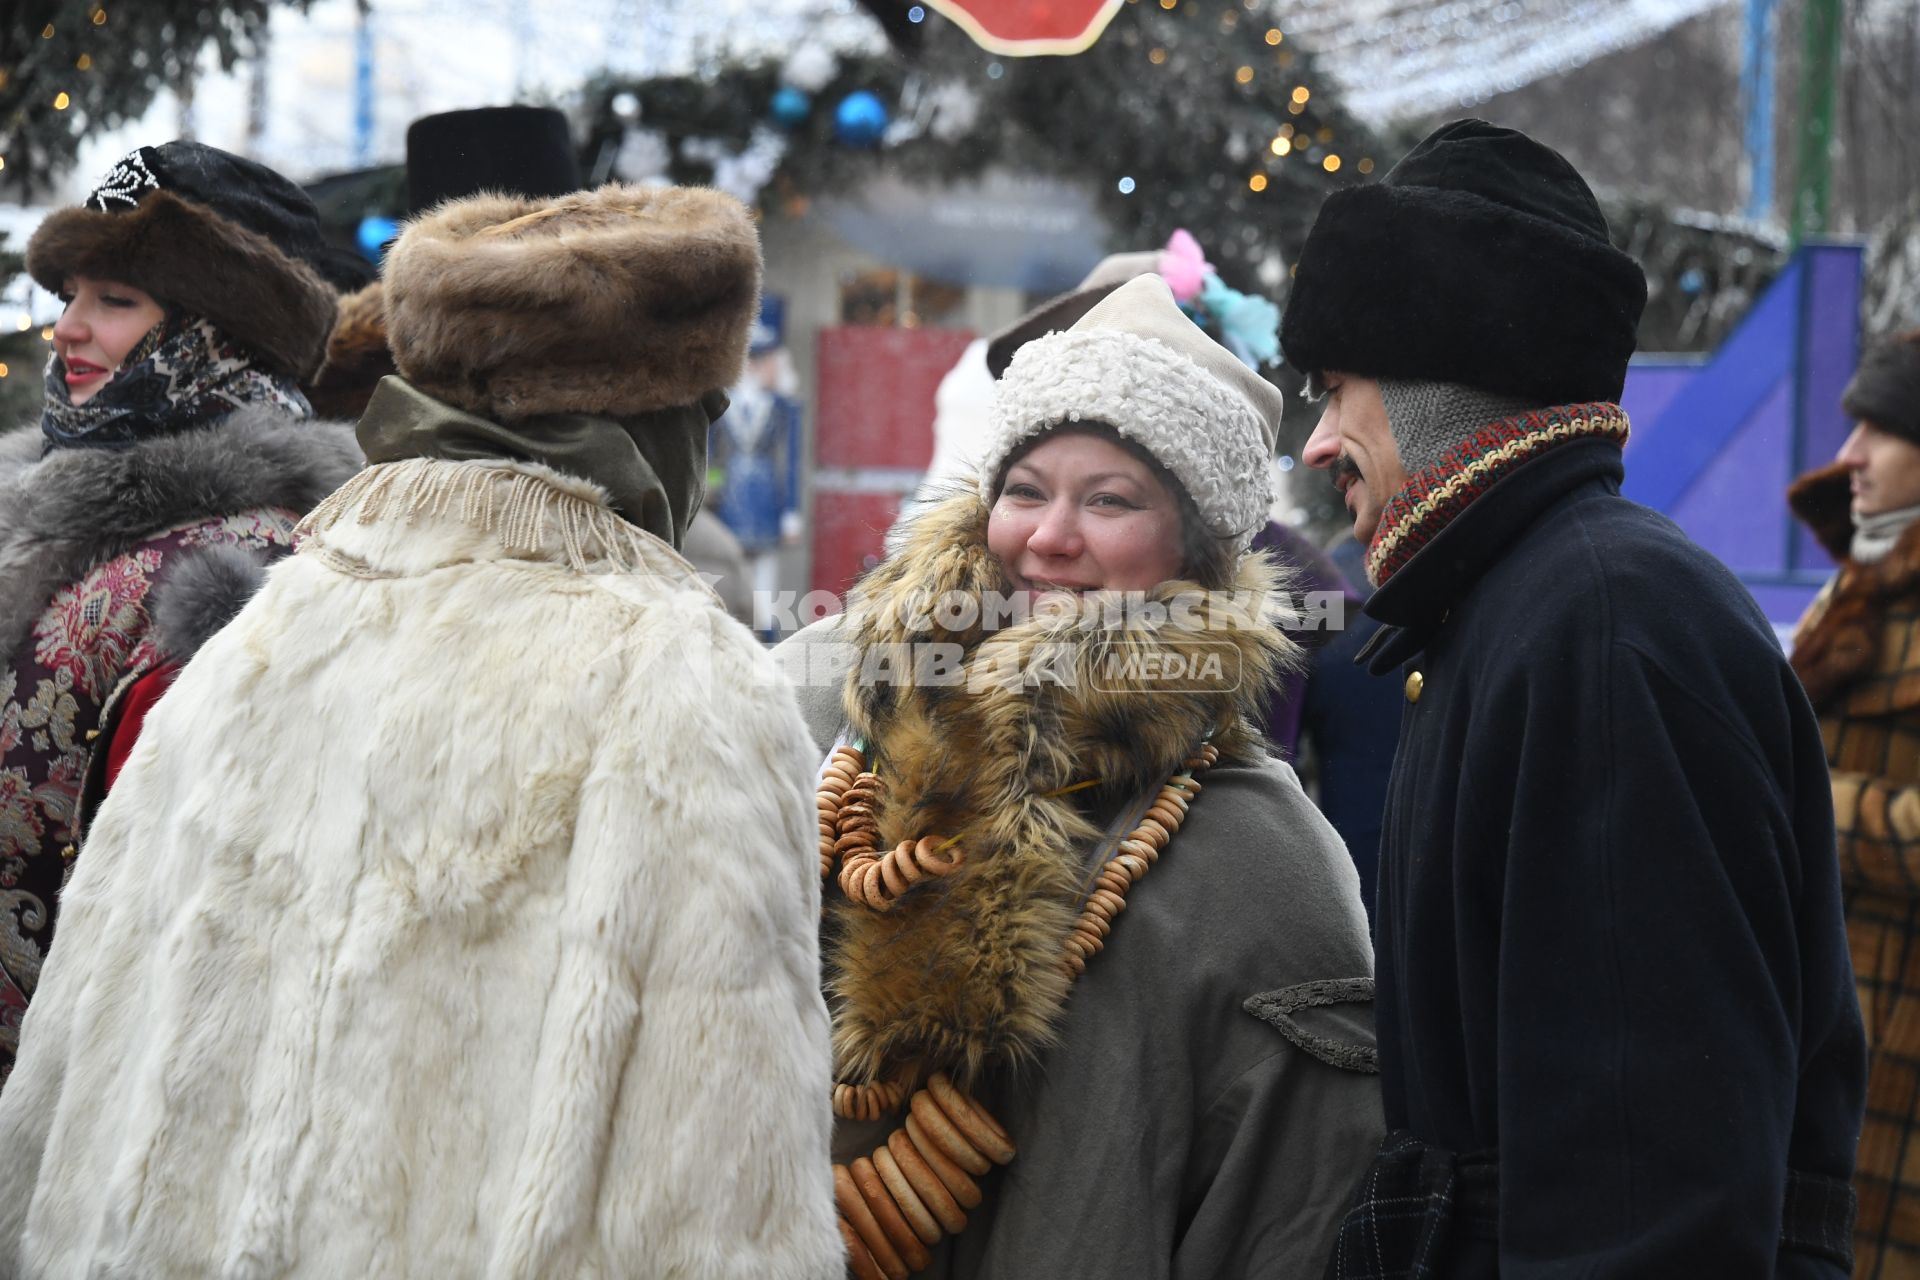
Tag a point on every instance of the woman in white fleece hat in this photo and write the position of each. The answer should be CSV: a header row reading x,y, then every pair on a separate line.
x,y
1098,969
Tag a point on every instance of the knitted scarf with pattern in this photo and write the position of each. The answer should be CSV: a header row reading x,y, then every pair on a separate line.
x,y
183,374
1434,496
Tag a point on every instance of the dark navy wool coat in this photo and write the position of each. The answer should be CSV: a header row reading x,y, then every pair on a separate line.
x,y
1610,946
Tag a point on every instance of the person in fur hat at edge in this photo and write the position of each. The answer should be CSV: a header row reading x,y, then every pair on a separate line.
x,y
455,914
173,458
1618,1036
1855,652
1082,924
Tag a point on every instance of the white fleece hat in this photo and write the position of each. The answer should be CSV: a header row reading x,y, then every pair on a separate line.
x,y
1140,365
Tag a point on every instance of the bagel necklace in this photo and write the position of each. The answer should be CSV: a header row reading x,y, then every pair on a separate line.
x,y
915,1188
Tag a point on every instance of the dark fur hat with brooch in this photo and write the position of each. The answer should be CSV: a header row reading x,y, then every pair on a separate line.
x,y
209,233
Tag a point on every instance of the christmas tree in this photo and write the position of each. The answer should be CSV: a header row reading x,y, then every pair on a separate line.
x,y
73,67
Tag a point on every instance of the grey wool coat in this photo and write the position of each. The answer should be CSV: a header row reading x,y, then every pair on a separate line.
x,y
1199,1118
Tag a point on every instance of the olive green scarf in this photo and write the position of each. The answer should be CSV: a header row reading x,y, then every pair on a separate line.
x,y
652,465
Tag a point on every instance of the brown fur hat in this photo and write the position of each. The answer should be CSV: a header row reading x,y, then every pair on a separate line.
x,y
615,301
357,356
188,256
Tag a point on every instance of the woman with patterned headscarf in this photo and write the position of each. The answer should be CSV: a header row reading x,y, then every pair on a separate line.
x,y
174,456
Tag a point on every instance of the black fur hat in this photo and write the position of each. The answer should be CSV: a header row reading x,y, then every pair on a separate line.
x,y
1481,259
1885,389
214,234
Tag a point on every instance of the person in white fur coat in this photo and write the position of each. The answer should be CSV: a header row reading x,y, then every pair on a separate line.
x,y
456,913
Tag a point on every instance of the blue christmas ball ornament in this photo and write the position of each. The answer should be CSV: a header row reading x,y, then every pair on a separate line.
x,y
791,107
374,234
860,119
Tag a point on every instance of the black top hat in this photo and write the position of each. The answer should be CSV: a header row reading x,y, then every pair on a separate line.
x,y
522,151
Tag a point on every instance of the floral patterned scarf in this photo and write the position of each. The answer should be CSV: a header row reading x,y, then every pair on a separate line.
x,y
184,373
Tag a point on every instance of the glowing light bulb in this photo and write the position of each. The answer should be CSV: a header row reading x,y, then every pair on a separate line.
x,y
1258,182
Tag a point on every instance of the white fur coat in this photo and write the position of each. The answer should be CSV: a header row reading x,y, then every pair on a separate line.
x,y
455,917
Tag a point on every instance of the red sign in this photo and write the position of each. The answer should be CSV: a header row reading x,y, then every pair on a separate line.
x,y
873,437
1028,28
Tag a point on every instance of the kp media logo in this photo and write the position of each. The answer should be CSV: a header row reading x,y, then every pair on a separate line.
x,y
1201,667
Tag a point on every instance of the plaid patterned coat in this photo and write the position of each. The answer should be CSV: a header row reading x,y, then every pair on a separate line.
x,y
1857,650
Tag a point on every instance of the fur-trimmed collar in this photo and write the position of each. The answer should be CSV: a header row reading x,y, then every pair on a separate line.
x,y
964,974
64,513
1823,501
1840,638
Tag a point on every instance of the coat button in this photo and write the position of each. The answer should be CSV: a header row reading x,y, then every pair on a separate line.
x,y
1415,683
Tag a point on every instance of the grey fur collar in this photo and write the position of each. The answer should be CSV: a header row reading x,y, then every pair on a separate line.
x,y
65,513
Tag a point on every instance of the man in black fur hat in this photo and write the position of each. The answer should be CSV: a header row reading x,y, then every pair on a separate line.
x,y
1618,1034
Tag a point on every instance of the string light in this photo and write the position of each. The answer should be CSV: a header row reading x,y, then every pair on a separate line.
x,y
60,101
1366,164
1168,4
48,33
3,162
100,17
1157,56
1274,36
24,323
1301,93
1331,164
1243,76
1325,134
1286,130
1258,182
3,369
85,62
1295,108
46,332
1281,146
